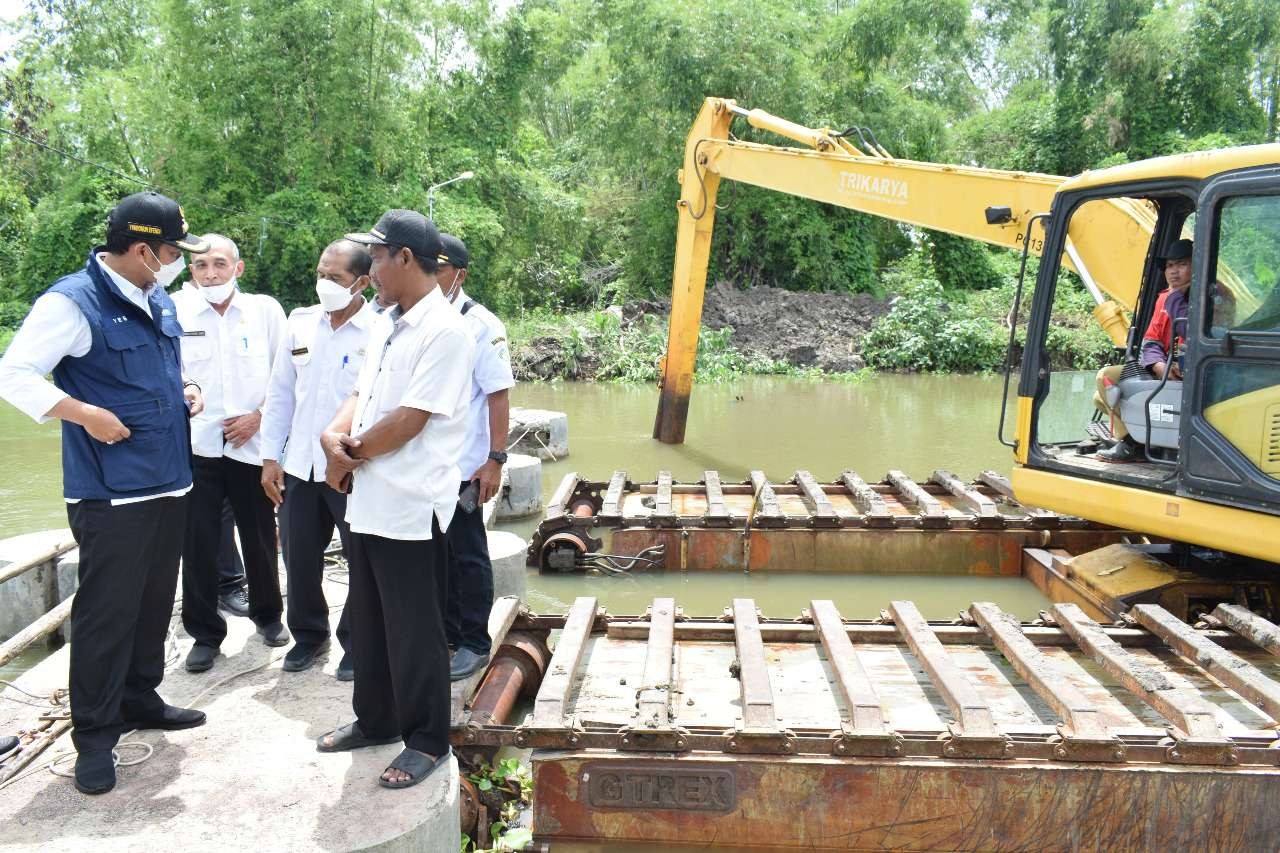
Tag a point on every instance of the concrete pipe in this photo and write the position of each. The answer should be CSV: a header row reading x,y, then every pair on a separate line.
x,y
522,492
507,554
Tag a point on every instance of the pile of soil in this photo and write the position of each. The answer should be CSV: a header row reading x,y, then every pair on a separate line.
x,y
804,329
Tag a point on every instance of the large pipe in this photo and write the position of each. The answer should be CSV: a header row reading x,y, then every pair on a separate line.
x,y
517,670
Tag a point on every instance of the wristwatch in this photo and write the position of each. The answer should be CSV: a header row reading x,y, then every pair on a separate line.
x,y
498,456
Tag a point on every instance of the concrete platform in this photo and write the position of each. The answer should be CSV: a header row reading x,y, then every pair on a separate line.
x,y
248,779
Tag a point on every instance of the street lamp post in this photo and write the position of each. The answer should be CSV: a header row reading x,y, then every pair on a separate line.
x,y
431,191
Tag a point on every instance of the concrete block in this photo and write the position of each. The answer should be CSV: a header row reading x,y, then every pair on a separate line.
x,y
539,432
30,595
507,553
522,486
249,779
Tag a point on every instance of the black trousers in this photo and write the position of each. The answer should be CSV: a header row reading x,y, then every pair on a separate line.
x,y
466,616
128,574
241,484
398,588
230,566
308,516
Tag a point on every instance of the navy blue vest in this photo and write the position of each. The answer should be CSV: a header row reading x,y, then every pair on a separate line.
x,y
134,369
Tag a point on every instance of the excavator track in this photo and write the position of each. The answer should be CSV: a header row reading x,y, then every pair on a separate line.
x,y
816,731
942,525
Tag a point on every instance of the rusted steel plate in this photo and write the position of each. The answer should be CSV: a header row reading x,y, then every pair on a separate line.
x,y
971,499
1249,625
765,511
553,696
890,804
1238,674
753,674
1196,730
821,512
913,494
868,732
611,508
1084,731
717,513
501,617
975,733
558,505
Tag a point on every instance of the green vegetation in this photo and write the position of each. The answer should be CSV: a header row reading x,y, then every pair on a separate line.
x,y
284,123
931,328
595,345
509,783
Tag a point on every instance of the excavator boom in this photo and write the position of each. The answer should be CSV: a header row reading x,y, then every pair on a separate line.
x,y
991,205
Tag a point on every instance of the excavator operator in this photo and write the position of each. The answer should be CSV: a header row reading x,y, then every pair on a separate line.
x,y
1162,350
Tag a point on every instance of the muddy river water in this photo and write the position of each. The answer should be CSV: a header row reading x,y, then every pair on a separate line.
x,y
913,423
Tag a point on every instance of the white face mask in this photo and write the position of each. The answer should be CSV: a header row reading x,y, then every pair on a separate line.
x,y
451,292
333,296
166,274
216,294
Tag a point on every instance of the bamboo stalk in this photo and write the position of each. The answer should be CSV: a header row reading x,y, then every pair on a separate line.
x,y
42,627
14,569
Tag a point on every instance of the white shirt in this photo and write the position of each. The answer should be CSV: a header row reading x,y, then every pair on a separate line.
x,y
419,359
55,329
492,373
315,371
230,356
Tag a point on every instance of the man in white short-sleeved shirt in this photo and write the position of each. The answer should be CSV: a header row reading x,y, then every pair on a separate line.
x,y
470,570
396,445
229,341
315,372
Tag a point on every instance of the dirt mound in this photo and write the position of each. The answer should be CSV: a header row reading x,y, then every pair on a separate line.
x,y
804,329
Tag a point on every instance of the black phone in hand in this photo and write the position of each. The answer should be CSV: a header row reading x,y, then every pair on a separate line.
x,y
470,497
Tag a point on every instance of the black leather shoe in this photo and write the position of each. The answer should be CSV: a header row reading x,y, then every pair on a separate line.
x,y
1125,450
200,658
466,662
235,602
171,718
301,656
274,634
95,771
346,669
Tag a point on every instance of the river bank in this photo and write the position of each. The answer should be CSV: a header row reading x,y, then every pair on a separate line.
x,y
766,330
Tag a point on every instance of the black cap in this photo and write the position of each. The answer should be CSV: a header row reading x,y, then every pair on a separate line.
x,y
454,252
151,216
406,228
1177,250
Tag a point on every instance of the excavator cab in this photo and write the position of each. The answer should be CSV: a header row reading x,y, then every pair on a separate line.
x,y
1214,437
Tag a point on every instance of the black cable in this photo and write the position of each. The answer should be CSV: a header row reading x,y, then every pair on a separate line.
x,y
195,200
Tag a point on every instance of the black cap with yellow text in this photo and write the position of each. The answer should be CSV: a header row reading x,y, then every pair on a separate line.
x,y
454,252
406,228
152,216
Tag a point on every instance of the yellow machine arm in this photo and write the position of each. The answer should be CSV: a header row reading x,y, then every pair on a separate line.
x,y
990,205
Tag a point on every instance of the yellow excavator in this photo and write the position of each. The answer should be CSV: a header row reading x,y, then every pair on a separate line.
x,y
1210,472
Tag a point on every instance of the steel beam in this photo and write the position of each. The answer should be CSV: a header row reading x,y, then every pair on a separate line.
x,y
974,732
1199,738
1249,625
553,696
1085,736
1233,671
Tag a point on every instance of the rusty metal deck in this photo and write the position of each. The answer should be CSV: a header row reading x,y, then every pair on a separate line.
x,y
944,525
824,733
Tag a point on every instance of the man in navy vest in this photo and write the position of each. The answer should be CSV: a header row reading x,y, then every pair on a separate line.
x,y
109,334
